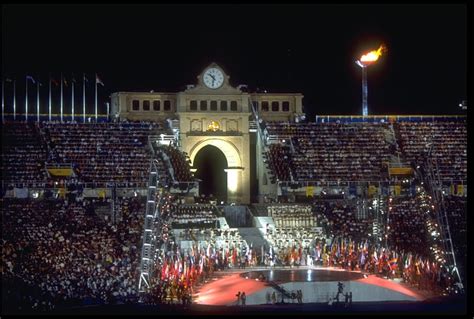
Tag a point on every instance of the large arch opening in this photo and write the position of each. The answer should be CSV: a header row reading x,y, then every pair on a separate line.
x,y
210,164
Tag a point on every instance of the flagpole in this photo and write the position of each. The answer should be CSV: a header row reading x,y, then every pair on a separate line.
x,y
14,99
83,97
72,98
3,100
26,101
38,100
61,97
96,97
49,109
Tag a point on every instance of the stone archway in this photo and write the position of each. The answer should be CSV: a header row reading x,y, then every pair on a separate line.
x,y
210,167
234,162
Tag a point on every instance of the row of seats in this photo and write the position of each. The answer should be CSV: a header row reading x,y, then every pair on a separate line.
x,y
104,152
330,151
339,219
70,253
444,141
407,222
194,214
23,153
180,163
100,153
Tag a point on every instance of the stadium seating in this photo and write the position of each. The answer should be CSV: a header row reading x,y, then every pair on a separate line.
x,y
69,253
180,163
23,154
445,141
105,152
329,151
338,219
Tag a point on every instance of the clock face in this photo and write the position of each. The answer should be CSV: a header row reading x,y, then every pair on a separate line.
x,y
213,78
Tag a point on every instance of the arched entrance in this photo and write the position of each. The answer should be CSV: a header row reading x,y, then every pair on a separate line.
x,y
210,164
234,170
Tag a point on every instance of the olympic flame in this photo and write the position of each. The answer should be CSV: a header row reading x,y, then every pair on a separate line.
x,y
374,55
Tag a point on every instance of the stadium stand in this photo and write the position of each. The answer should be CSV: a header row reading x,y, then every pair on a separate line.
x,y
23,154
445,139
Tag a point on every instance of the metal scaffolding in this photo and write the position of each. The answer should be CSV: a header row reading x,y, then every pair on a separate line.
x,y
152,218
435,185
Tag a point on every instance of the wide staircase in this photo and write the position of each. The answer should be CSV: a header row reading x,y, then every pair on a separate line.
x,y
253,237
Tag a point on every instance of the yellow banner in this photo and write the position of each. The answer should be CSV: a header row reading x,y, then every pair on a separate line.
x,y
62,192
400,171
460,189
309,191
60,171
372,190
102,193
398,190
451,190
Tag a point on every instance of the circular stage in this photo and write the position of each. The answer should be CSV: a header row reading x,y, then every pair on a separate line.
x,y
318,285
302,275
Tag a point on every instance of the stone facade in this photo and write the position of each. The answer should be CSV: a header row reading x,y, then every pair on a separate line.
x,y
212,116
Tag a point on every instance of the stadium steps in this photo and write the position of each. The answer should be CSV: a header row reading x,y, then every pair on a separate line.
x,y
253,236
280,289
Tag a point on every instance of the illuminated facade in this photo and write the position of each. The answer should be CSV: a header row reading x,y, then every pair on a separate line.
x,y
213,112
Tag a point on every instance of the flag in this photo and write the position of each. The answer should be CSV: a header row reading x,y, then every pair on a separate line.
x,y
362,258
73,79
54,82
65,81
8,80
393,263
85,79
98,80
29,77
164,270
201,264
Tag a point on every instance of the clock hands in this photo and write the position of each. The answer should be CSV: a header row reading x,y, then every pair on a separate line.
x,y
214,75
213,78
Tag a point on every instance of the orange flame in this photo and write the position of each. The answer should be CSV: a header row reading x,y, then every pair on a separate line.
x,y
374,55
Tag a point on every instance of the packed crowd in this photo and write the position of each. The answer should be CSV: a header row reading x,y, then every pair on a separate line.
x,y
456,208
291,246
406,223
58,252
338,218
180,163
447,142
180,267
103,152
23,154
329,151
71,255
292,216
193,216
422,272
278,159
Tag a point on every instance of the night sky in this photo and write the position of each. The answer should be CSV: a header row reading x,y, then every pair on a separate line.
x,y
281,48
